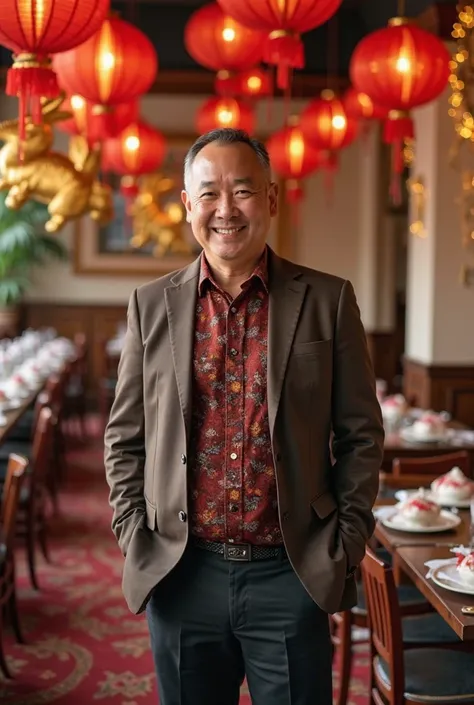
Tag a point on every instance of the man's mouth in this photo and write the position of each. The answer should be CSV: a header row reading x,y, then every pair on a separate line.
x,y
228,231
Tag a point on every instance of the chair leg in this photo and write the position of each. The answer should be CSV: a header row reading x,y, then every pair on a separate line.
x,y
345,657
43,543
3,663
14,618
30,551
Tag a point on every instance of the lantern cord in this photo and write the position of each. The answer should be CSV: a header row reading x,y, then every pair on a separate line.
x,y
333,52
287,98
401,8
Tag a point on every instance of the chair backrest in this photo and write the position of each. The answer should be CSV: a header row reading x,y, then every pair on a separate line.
x,y
16,469
414,472
42,446
384,618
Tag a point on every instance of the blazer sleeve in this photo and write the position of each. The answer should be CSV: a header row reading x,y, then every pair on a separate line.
x,y
124,435
358,433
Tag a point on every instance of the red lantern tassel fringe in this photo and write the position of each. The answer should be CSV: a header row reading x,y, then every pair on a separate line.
x,y
31,78
286,51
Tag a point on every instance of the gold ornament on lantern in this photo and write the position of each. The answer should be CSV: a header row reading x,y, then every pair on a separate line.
x,y
68,185
154,220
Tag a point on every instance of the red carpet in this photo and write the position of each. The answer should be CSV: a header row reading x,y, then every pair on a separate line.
x,y
83,645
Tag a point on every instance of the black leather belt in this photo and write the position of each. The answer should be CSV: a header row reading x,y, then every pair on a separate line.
x,y
240,551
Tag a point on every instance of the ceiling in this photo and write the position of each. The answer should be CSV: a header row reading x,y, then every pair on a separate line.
x,y
164,21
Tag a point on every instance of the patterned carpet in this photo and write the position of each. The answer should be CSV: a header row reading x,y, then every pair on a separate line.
x,y
83,645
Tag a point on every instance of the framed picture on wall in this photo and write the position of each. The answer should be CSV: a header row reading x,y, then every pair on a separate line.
x,y
149,234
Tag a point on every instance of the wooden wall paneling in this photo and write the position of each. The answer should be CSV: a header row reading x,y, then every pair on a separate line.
x,y
383,355
442,388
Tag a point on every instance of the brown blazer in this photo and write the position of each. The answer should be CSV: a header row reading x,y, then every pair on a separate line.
x,y
319,380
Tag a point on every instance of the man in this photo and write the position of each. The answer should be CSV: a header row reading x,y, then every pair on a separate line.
x,y
240,532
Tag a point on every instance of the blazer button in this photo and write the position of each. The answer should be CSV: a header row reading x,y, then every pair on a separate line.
x,y
182,516
183,459
278,456
285,516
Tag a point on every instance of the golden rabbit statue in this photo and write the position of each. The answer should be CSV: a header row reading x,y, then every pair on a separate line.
x,y
155,222
68,185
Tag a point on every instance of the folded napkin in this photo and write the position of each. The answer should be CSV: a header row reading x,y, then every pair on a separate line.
x,y
439,562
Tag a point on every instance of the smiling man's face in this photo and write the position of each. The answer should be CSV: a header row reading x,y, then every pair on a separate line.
x,y
230,202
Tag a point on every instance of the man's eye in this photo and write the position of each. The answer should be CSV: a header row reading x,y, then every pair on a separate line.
x,y
243,192
207,194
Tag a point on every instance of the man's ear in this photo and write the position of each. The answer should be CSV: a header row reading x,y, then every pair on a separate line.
x,y
187,204
273,198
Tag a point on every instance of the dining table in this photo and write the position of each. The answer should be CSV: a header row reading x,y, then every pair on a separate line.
x,y
447,602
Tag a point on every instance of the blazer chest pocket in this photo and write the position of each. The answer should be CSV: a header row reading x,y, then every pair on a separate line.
x,y
324,505
150,515
319,348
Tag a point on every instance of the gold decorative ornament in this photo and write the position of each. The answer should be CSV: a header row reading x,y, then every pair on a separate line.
x,y
461,100
154,220
417,192
68,185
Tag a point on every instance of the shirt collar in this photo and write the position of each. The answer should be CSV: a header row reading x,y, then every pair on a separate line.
x,y
260,272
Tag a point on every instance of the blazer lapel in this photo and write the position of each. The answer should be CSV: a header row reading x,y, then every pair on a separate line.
x,y
286,299
180,306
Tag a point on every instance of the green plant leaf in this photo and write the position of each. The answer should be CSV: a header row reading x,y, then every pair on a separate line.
x,y
24,244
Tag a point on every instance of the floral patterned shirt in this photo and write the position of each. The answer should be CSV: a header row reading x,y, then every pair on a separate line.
x,y
233,494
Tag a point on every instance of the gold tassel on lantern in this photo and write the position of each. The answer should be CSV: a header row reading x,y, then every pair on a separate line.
x,y
68,185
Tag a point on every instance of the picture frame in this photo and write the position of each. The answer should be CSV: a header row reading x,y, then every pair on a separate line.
x,y
107,251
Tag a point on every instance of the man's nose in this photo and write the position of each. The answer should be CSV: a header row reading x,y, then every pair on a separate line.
x,y
226,206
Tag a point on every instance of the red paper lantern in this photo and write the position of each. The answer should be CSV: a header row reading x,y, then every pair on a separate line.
x,y
293,157
85,119
139,149
400,67
250,83
33,30
217,41
360,106
116,65
254,83
326,123
224,112
284,21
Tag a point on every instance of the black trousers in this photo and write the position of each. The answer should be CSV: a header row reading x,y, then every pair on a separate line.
x,y
213,622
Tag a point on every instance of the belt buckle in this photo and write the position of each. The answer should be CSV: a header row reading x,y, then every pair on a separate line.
x,y
237,551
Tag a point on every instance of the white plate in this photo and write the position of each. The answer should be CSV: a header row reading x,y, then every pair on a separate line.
x,y
402,495
446,576
408,435
447,521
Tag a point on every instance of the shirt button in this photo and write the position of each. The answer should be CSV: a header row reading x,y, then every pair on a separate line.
x,y
183,459
233,508
182,516
233,309
234,352
233,456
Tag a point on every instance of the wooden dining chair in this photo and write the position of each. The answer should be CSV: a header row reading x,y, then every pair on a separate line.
x,y
401,676
32,523
411,473
423,626
8,521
